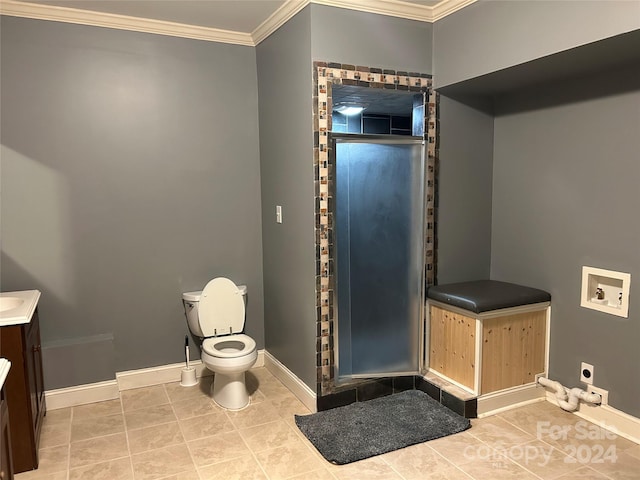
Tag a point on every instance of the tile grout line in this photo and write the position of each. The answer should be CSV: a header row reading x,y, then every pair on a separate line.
x,y
255,458
505,456
126,435
69,446
456,466
186,443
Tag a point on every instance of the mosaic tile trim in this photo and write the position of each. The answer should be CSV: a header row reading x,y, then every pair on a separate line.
x,y
325,75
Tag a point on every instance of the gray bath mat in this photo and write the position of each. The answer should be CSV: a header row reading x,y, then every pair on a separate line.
x,y
361,430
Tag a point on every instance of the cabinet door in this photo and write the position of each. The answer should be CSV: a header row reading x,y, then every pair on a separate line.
x,y
33,357
6,466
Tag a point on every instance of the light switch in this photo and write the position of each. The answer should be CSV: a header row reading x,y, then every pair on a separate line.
x,y
278,214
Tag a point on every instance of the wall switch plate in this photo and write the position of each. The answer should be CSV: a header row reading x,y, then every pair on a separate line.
x,y
278,214
586,373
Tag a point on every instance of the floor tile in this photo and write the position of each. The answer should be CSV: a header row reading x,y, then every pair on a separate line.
x,y
634,451
39,475
494,466
622,467
289,405
157,436
190,474
206,426
96,450
177,433
541,459
412,462
162,463
288,460
148,417
120,469
322,474
194,407
55,434
178,393
85,428
374,468
58,416
269,435
241,468
257,414
99,409
459,448
143,397
584,473
51,460
218,448
497,432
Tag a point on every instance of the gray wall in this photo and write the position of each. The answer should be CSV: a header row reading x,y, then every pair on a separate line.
x,y
492,35
563,191
565,194
465,169
286,149
130,174
358,38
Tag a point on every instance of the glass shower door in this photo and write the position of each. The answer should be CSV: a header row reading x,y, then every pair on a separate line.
x,y
379,228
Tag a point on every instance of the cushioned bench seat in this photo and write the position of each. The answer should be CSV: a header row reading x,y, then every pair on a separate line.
x,y
486,295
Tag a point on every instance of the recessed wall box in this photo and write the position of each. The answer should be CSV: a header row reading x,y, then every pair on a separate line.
x,y
606,291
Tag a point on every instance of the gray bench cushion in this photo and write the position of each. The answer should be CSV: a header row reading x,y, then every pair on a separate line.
x,y
486,295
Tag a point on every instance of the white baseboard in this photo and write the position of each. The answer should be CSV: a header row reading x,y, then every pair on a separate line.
x,y
144,377
607,417
291,381
81,394
147,377
493,403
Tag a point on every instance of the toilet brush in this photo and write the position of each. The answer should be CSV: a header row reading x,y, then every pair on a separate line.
x,y
186,349
188,376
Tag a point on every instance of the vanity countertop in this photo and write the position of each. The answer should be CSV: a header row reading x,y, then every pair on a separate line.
x,y
17,307
5,365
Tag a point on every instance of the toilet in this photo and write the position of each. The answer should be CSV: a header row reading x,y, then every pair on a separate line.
x,y
217,315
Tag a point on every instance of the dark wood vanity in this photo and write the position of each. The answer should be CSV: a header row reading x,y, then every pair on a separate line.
x,y
23,395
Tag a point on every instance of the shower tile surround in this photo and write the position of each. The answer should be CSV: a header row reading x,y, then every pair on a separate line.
x,y
325,75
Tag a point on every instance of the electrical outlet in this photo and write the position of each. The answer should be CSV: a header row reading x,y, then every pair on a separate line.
x,y
586,373
603,393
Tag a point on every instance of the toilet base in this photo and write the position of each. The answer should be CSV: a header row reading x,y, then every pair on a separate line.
x,y
230,391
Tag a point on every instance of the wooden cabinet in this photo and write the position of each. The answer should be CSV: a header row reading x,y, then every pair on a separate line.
x,y
24,388
491,351
6,462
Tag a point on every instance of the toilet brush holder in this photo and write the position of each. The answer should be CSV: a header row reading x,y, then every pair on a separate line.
x,y
188,377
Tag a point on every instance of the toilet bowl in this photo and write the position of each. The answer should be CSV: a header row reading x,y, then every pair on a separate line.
x,y
217,314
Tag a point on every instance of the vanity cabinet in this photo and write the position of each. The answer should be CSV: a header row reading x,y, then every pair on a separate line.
x,y
24,388
6,462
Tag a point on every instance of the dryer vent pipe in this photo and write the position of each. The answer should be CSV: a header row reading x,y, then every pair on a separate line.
x,y
569,399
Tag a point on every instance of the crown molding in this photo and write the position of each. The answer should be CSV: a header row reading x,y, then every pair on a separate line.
x,y
121,22
447,7
398,8
277,19
393,8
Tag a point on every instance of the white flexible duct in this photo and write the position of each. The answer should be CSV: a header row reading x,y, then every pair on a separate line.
x,y
570,401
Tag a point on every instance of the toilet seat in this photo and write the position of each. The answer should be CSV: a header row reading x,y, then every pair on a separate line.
x,y
215,346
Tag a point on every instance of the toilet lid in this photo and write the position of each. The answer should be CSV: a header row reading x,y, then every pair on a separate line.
x,y
221,309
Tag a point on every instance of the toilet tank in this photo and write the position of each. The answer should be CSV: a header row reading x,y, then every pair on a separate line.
x,y
190,301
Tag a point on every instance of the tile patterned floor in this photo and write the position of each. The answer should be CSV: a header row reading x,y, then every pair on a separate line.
x,y
175,433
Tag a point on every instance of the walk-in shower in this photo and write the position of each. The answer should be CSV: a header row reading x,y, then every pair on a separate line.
x,y
379,195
